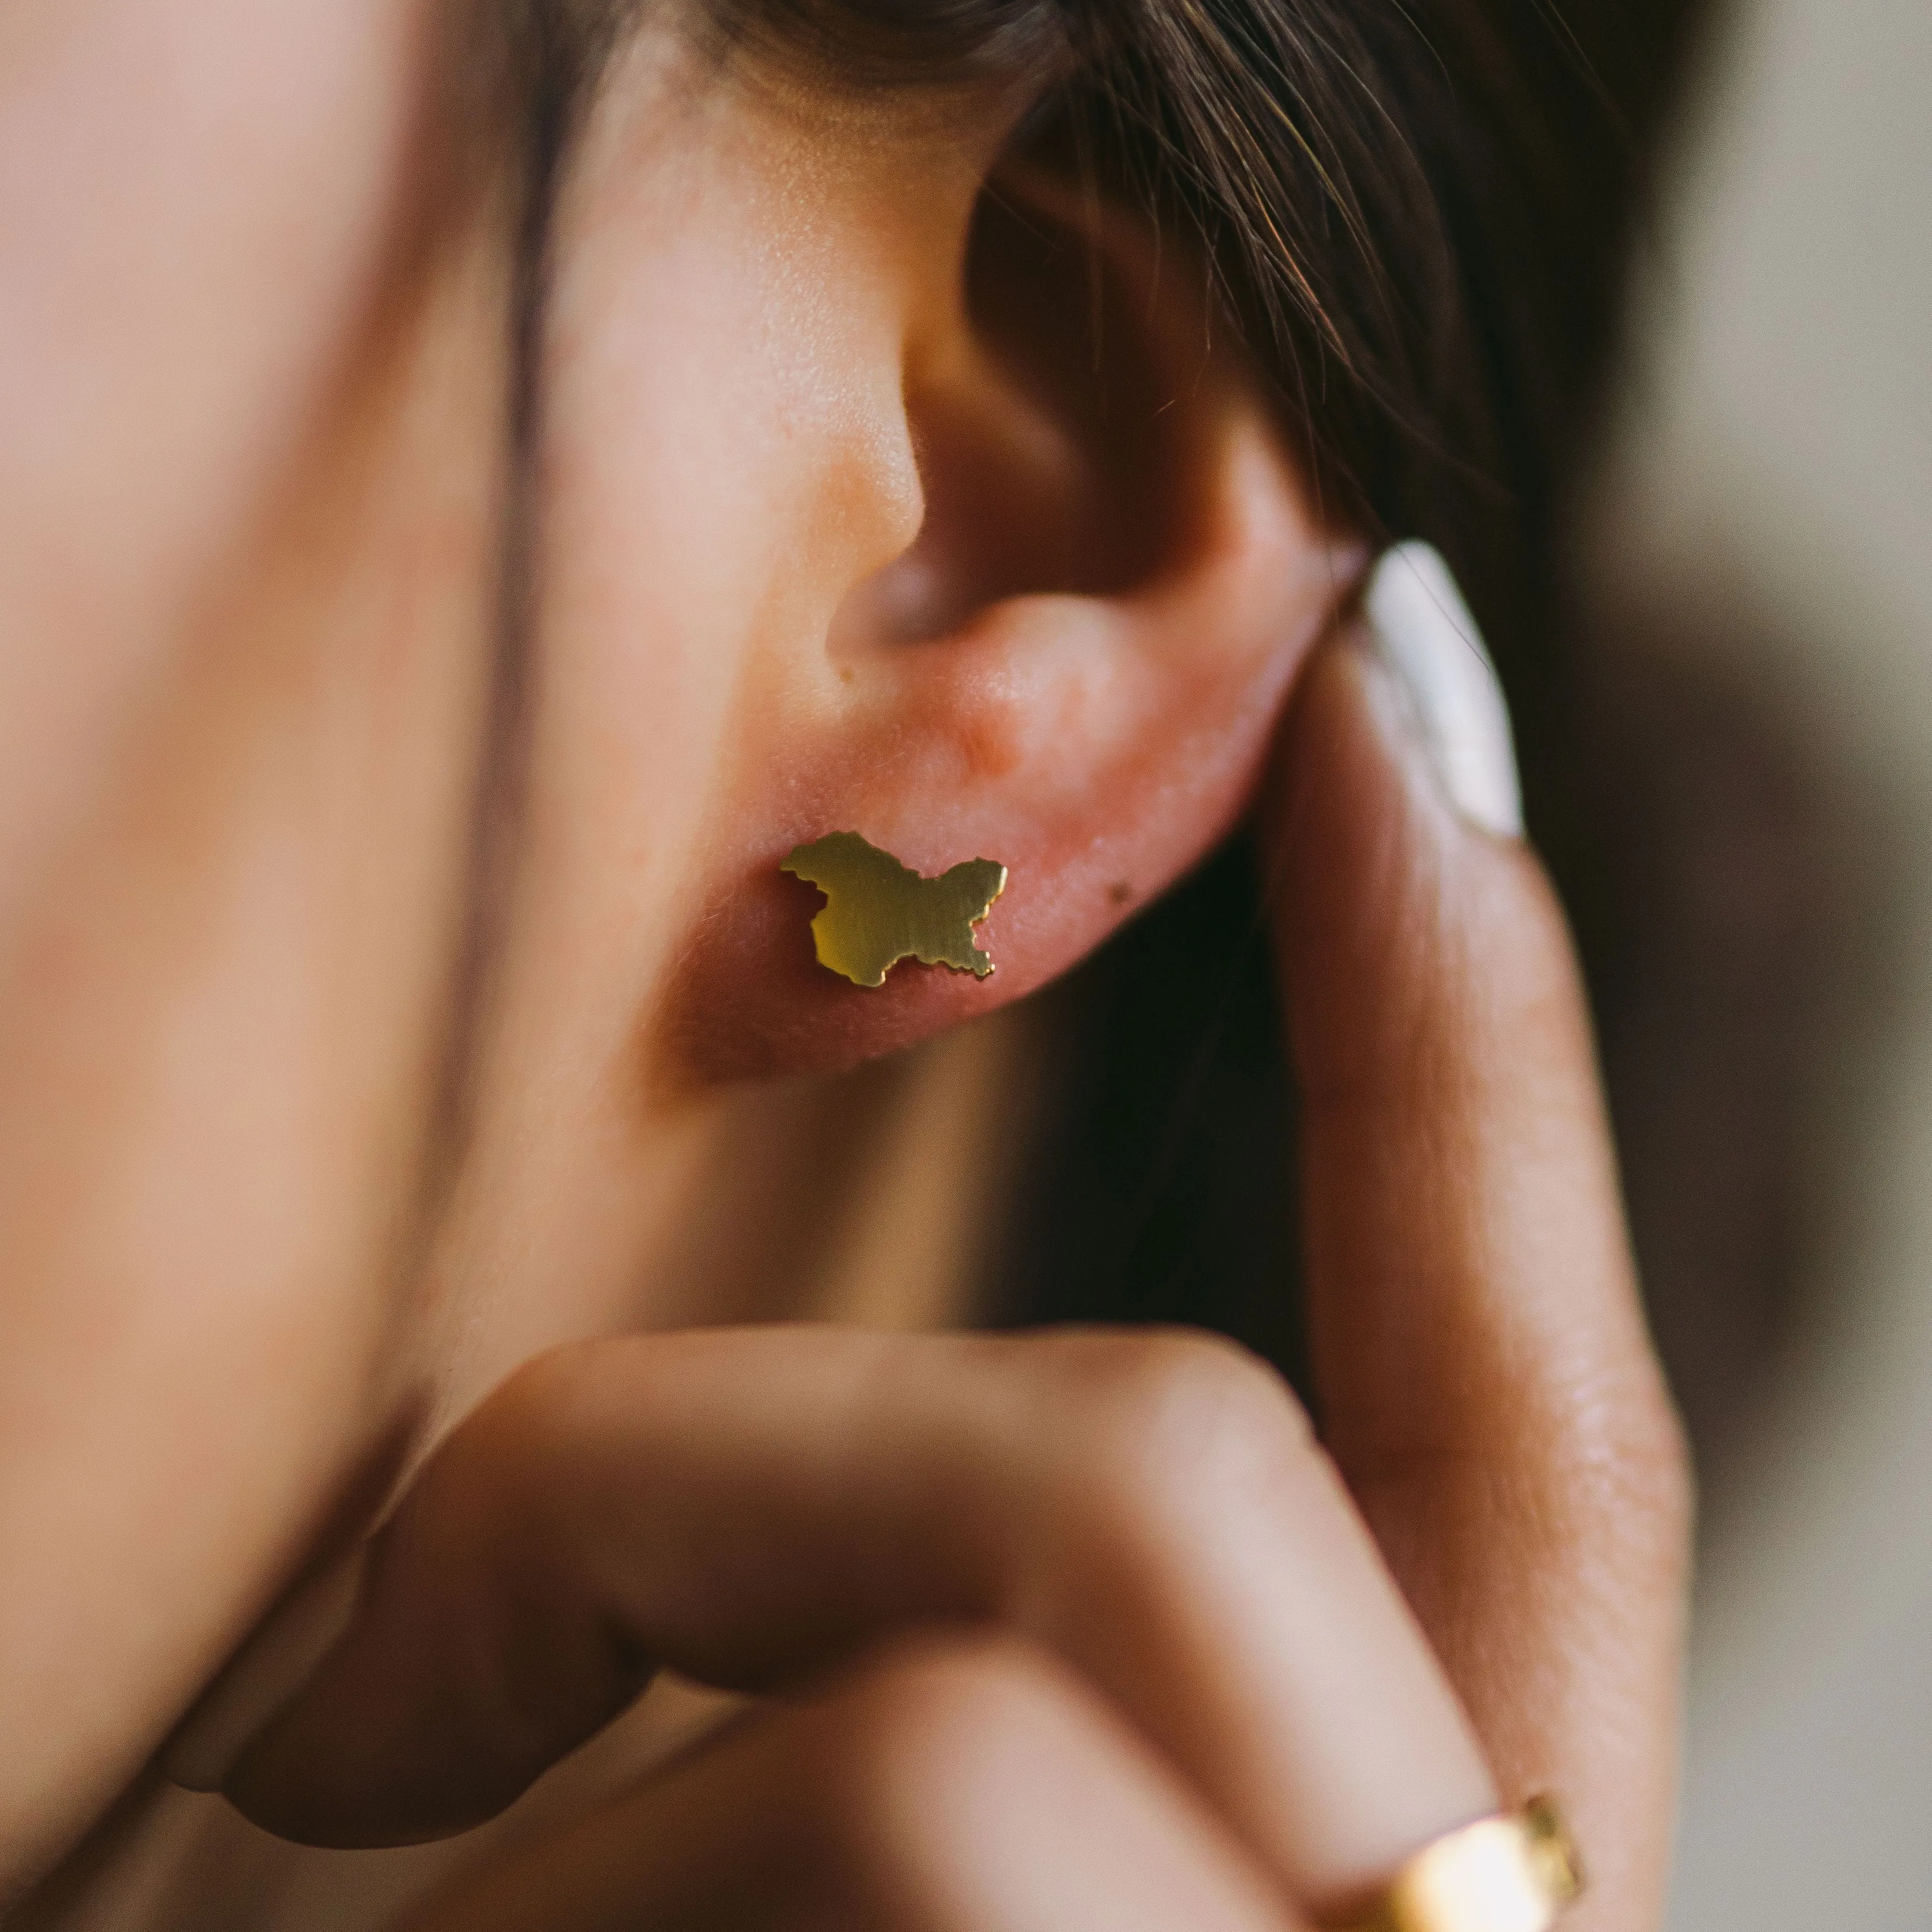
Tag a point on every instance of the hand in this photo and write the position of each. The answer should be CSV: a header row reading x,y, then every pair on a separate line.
x,y
1084,1628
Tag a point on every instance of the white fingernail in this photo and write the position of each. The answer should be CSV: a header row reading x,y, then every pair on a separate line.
x,y
264,1676
1425,633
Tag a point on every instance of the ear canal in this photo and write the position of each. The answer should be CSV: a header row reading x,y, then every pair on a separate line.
x,y
1045,453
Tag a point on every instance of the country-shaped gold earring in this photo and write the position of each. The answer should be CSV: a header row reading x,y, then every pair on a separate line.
x,y
878,912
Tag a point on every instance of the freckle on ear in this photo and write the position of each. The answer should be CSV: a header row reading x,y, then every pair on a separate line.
x,y
1120,891
990,743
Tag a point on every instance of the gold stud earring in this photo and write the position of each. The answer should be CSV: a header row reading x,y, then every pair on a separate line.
x,y
878,912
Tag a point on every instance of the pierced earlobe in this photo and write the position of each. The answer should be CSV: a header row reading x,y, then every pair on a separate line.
x,y
878,911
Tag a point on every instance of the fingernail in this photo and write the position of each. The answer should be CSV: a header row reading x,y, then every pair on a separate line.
x,y
270,1669
1423,632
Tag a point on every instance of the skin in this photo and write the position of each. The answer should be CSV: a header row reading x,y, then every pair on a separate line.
x,y
385,1067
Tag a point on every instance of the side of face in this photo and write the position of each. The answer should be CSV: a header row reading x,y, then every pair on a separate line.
x,y
881,484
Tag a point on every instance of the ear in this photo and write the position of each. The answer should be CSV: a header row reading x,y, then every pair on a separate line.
x,y
1074,668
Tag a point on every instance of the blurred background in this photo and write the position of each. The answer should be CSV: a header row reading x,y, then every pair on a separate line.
x,y
1758,552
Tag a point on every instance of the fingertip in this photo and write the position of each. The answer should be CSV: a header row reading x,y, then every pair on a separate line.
x,y
1423,631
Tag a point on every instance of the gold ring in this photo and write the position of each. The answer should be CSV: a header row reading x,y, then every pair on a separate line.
x,y
1514,1873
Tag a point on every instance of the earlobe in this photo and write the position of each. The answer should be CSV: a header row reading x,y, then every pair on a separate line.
x,y
1073,671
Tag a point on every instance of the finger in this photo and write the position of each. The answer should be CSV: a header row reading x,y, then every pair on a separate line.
x,y
948,1787
1486,1385
746,1507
